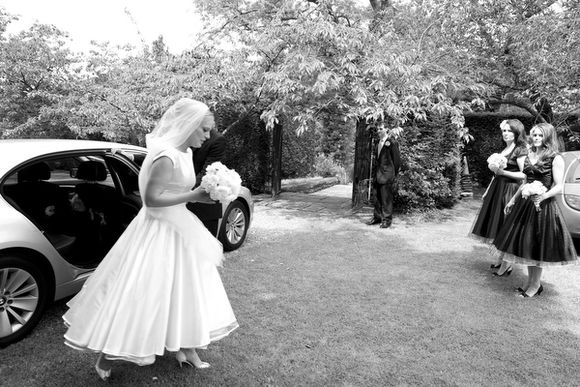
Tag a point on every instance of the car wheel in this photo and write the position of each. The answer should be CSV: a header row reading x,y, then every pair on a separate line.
x,y
24,294
234,226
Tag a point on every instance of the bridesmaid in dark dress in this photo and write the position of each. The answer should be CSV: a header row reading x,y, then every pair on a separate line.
x,y
534,233
504,185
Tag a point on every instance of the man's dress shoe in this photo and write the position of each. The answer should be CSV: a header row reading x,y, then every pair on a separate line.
x,y
373,221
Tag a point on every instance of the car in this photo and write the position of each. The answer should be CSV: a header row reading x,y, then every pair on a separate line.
x,y
569,200
63,204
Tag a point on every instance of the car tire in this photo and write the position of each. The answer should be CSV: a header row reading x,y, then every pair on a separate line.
x,y
234,227
20,313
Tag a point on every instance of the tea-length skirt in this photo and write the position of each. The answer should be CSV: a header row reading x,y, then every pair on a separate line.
x,y
535,237
157,289
490,217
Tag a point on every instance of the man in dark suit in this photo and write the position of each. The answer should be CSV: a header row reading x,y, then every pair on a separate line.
x,y
388,162
213,149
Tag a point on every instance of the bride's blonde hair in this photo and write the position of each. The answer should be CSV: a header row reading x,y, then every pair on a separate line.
x,y
177,124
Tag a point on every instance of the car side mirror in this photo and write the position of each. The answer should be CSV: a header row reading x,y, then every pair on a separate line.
x,y
73,172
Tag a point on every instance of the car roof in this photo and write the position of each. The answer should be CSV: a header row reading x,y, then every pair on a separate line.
x,y
16,151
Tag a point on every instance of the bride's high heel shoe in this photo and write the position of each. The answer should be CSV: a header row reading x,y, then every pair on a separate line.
x,y
103,374
190,357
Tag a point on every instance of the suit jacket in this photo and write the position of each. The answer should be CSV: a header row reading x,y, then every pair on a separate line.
x,y
213,149
388,162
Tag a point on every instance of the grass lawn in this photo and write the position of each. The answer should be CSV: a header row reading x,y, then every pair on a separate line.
x,y
324,300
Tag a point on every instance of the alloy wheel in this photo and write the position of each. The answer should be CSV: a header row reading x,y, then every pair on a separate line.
x,y
235,225
18,299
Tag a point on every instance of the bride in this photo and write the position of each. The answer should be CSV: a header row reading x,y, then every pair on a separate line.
x,y
158,289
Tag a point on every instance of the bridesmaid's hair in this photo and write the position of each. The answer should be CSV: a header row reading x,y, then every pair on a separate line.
x,y
517,128
550,140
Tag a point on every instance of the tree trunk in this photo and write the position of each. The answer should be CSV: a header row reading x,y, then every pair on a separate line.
x,y
361,181
380,5
276,174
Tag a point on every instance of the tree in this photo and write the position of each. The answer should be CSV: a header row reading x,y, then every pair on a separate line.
x,y
312,57
37,70
525,53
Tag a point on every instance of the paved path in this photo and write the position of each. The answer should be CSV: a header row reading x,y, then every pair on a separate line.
x,y
335,200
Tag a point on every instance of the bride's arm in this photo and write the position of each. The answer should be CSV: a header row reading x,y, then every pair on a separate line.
x,y
159,178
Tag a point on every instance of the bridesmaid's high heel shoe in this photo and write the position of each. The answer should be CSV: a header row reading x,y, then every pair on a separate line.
x,y
538,292
190,357
506,273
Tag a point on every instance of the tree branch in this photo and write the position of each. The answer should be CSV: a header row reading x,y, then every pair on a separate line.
x,y
25,82
519,102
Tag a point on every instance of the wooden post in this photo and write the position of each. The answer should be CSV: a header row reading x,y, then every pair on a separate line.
x,y
362,161
276,174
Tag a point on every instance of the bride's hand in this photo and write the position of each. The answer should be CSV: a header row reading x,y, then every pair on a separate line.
x,y
200,196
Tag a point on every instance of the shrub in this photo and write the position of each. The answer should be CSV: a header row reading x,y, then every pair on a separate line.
x,y
326,166
337,141
248,147
298,152
431,166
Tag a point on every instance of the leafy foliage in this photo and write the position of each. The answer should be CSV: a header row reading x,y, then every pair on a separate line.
x,y
310,57
299,153
36,72
527,50
311,64
326,166
430,170
248,147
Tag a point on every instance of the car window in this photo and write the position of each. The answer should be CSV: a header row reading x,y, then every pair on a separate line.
x,y
44,190
134,156
128,177
61,171
108,180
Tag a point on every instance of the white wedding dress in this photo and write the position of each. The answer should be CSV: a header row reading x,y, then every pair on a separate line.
x,y
158,288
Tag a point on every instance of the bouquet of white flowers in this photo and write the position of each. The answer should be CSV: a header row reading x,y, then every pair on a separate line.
x,y
222,184
533,188
497,160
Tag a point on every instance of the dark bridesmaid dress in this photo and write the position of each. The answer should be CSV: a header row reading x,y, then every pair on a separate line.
x,y
532,237
491,217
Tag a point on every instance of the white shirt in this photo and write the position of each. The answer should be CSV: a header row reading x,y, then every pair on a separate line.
x,y
381,144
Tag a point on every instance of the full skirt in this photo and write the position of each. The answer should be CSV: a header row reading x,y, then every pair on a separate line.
x,y
535,237
157,289
490,217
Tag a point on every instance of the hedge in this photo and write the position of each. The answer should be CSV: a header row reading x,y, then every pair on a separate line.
x,y
248,147
430,166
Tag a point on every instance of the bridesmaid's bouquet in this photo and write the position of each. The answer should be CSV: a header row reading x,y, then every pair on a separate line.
x,y
221,183
497,160
533,188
